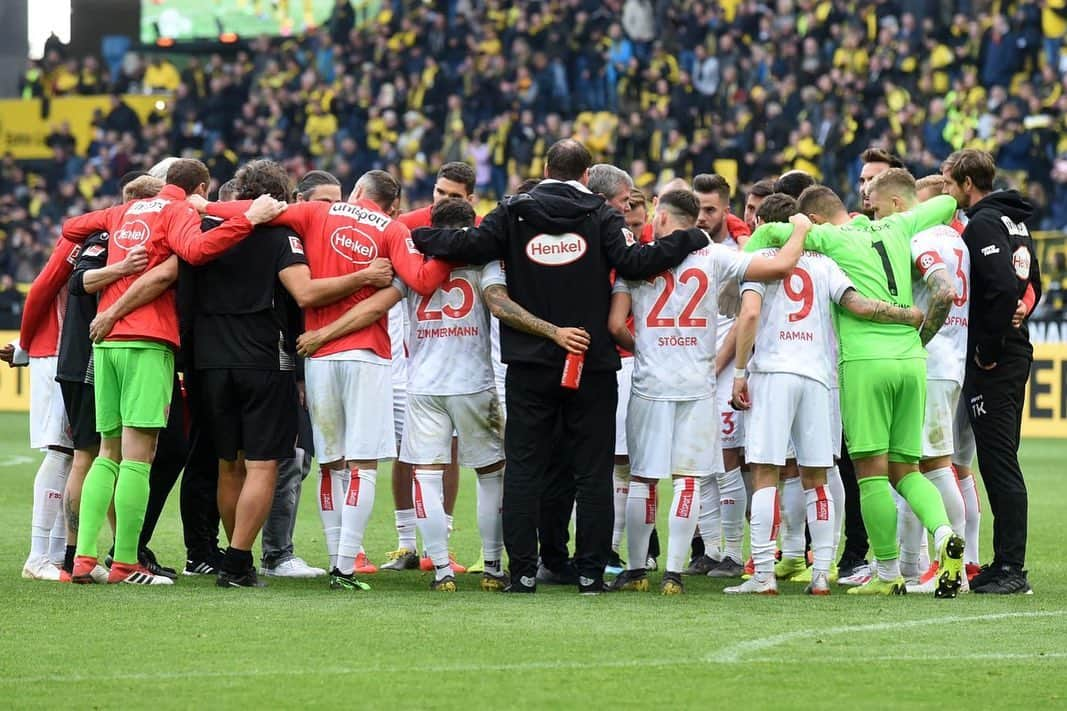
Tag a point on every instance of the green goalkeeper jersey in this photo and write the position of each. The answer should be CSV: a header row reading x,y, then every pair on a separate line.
x,y
876,256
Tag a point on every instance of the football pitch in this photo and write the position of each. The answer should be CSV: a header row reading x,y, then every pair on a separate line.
x,y
190,19
300,644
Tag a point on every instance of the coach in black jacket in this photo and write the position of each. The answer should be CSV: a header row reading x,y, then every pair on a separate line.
x,y
1004,272
559,244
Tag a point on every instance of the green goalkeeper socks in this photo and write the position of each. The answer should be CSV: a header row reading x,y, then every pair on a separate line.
x,y
97,491
925,500
879,516
131,499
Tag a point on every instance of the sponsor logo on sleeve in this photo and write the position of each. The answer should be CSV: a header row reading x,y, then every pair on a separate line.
x,y
628,235
142,206
296,245
95,251
1020,260
411,246
354,245
1016,229
133,233
990,250
556,250
73,256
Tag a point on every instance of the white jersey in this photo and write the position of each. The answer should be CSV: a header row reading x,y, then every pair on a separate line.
x,y
795,324
725,323
937,248
676,325
449,338
398,328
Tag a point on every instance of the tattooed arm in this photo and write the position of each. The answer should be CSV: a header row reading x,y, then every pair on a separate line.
x,y
572,340
880,311
941,295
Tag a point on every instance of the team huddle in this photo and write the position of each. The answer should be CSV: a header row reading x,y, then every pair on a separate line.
x,y
745,368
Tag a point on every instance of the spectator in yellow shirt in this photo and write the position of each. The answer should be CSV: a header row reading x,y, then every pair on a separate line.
x,y
319,126
161,76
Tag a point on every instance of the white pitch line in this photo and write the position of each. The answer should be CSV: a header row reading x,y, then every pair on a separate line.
x,y
736,652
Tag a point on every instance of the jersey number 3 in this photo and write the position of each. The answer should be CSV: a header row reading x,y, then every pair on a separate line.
x,y
424,313
685,319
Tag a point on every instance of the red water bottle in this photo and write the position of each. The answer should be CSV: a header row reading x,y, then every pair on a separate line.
x,y
572,371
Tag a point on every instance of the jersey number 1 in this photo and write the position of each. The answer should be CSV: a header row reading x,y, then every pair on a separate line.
x,y
890,279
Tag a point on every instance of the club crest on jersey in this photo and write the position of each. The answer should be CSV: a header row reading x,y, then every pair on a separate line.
x,y
1020,259
926,261
354,245
556,250
132,234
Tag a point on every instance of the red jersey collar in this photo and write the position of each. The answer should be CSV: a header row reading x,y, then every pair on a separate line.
x,y
172,192
370,205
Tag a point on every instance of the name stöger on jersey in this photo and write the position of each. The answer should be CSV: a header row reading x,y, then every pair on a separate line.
x,y
676,341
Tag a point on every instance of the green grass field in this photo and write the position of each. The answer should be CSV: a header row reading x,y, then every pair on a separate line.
x,y
299,644
191,19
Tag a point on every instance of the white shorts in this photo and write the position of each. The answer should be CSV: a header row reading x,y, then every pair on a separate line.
x,y
672,437
942,397
400,406
732,421
475,418
962,436
626,376
789,407
349,402
836,430
48,418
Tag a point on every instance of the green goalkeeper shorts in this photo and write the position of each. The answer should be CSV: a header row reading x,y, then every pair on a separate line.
x,y
882,407
133,385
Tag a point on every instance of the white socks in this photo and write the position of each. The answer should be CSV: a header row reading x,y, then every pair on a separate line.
x,y
792,518
837,493
358,504
763,533
822,522
621,484
48,488
945,481
405,529
490,526
973,517
332,486
710,523
640,520
57,542
733,500
431,519
683,522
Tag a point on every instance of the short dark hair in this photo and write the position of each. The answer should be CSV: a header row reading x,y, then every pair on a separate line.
x,y
974,164
188,174
314,179
880,155
793,183
458,173
777,207
526,186
262,177
567,159
819,200
712,183
130,177
762,188
452,212
381,188
680,203
228,190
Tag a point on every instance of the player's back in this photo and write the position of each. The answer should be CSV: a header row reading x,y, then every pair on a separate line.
x,y
795,330
947,350
449,337
675,315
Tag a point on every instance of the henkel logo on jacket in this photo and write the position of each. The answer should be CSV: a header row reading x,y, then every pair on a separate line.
x,y
133,233
556,250
354,245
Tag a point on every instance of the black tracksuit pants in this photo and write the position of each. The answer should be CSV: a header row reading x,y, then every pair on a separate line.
x,y
200,483
171,451
994,400
544,417
856,545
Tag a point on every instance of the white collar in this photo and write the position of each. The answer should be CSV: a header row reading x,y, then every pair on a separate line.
x,y
572,183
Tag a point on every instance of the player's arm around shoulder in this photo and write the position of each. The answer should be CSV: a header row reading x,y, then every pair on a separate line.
x,y
781,264
746,328
368,311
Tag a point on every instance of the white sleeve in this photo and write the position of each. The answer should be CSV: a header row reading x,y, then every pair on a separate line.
x,y
404,289
733,265
493,275
622,286
756,286
839,283
925,256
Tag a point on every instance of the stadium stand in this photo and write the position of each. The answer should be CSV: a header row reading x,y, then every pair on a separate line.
x,y
739,87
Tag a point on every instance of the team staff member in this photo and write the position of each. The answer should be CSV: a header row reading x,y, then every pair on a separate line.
x,y
1004,270
559,243
134,367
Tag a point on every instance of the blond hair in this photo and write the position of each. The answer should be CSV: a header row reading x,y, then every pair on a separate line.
x,y
140,188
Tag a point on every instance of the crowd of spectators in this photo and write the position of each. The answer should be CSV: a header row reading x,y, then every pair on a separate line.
x,y
661,88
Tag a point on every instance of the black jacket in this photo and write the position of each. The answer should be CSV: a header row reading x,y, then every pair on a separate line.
x,y
1004,266
559,244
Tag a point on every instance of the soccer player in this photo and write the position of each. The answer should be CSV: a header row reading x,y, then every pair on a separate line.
x,y
943,266
349,378
134,366
722,508
671,427
875,162
882,376
788,397
759,192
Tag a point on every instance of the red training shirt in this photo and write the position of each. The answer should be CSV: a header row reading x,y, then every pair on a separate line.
x,y
42,314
